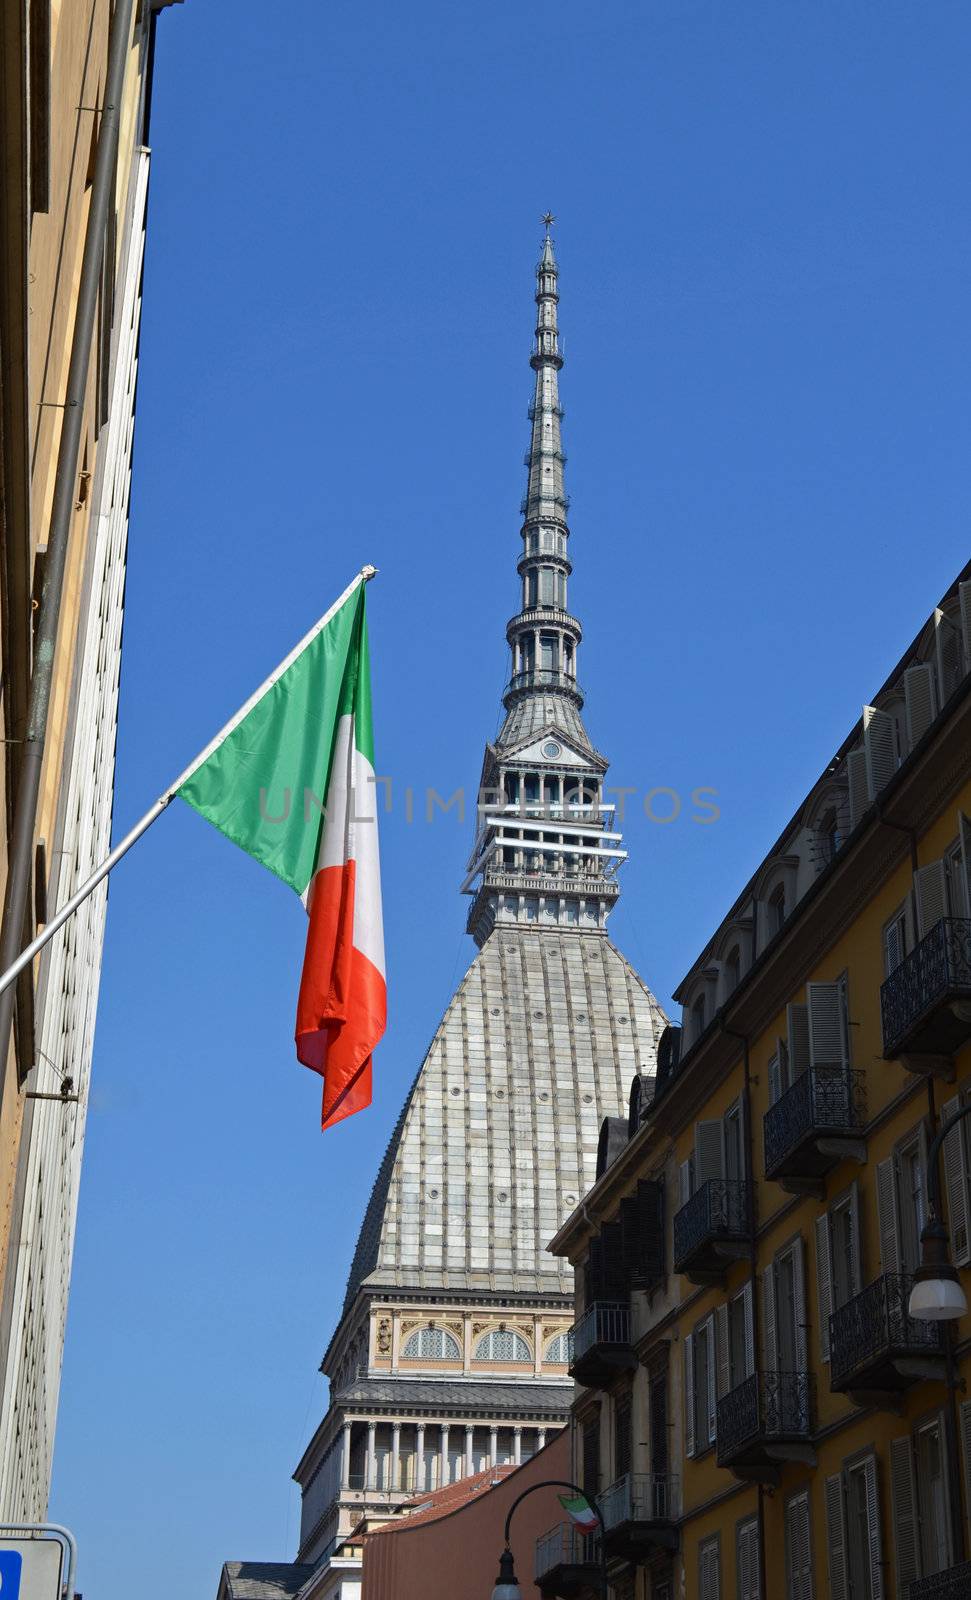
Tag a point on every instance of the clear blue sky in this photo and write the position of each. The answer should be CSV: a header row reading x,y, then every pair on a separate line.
x,y
765,259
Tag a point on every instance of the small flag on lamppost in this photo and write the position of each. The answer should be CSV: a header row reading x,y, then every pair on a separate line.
x,y
580,1511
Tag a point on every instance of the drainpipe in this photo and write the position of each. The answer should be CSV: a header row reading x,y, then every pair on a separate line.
x,y
62,511
753,1255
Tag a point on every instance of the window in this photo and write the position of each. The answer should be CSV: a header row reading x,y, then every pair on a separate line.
x,y
709,1569
777,910
853,1543
547,651
736,1343
895,941
748,1586
839,1270
546,586
502,1345
901,1209
719,1153
956,1187
622,1436
919,1502
828,838
733,971
559,1349
799,1548
698,1018
591,1456
432,1344
699,1387
784,1330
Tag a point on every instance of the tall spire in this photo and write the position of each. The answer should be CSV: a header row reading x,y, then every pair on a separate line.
x,y
543,851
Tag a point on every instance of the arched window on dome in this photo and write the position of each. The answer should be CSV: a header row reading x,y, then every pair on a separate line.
x,y
502,1345
558,1350
432,1344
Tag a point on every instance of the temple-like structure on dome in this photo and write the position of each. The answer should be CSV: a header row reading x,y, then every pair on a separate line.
x,y
451,1353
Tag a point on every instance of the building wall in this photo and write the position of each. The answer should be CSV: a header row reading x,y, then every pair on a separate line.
x,y
843,1506
47,173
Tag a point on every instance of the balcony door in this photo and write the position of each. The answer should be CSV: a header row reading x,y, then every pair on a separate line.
x,y
784,1301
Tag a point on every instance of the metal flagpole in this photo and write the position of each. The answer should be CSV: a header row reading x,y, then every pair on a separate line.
x,y
80,895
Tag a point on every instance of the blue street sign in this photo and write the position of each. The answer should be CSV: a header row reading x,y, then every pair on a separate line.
x,y
11,1566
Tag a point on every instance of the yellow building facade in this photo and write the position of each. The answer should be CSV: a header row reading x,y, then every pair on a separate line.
x,y
759,1416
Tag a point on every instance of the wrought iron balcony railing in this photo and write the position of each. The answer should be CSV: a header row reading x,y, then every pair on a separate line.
x,y
915,1001
602,1324
765,1408
873,1331
953,1584
640,1497
718,1210
566,1545
823,1101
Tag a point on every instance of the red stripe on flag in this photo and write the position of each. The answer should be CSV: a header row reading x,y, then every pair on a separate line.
x,y
342,1006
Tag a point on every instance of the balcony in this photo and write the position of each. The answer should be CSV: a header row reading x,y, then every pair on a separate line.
x,y
813,1126
712,1229
601,1345
876,1349
763,1422
925,1003
954,1584
568,1563
640,1515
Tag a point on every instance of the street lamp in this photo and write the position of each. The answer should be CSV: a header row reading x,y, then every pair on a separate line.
x,y
507,1587
937,1295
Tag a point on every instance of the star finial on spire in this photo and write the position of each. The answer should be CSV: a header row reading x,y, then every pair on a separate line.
x,y
548,221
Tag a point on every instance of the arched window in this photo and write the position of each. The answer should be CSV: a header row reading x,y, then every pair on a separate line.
x,y
733,970
698,1016
502,1345
432,1344
777,909
559,1349
828,836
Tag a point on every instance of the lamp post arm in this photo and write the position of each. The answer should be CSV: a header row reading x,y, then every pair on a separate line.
x,y
553,1483
933,1180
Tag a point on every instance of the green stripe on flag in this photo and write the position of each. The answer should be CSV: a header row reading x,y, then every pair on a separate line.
x,y
264,786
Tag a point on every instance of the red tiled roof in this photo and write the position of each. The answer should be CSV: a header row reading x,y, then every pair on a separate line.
x,y
442,1502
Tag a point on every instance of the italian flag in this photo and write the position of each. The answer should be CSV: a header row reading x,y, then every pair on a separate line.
x,y
291,781
580,1511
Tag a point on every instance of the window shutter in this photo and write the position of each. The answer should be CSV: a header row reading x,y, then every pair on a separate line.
x,y
930,891
684,1182
903,1499
775,1079
724,1352
712,1381
748,1561
799,1548
966,1446
689,1394
836,1537
797,1019
826,1005
824,1283
856,773
768,1318
964,600
954,1151
708,1573
887,1216
964,826
893,950
921,707
749,1320
875,1544
947,645
709,1151
799,1298
880,747
856,1236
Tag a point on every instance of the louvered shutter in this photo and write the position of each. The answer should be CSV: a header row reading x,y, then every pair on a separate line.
x,y
712,1380
799,1548
797,1019
775,1079
709,1151
930,892
859,786
723,1351
594,1273
824,1283
964,601
887,1216
880,747
856,1239
903,1499
684,1182
748,1317
948,651
827,1024
771,1355
650,1213
836,1537
748,1561
966,1448
591,1456
893,948
708,1570
919,701
615,1283
954,1151
622,1436
689,1394
799,1298
630,1233
964,827
874,1541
